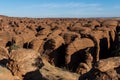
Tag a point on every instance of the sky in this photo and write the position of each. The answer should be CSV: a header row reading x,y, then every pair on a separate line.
x,y
60,8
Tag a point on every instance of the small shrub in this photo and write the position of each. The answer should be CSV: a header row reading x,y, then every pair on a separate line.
x,y
66,69
13,47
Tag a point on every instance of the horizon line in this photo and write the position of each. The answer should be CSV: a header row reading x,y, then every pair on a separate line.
x,y
56,17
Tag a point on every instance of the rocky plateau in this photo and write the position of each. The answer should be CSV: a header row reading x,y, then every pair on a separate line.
x,y
59,48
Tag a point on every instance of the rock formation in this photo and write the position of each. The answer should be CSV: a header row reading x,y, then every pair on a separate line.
x,y
75,44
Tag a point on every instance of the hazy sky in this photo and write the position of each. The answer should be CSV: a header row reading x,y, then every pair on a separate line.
x,y
60,8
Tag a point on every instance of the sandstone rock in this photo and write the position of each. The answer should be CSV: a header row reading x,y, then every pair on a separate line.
x,y
98,37
4,38
54,25
80,29
53,43
110,23
94,23
82,68
85,66
64,38
5,74
70,36
54,33
77,45
63,27
109,75
108,64
111,31
37,44
54,73
45,31
78,24
18,40
3,53
27,35
23,61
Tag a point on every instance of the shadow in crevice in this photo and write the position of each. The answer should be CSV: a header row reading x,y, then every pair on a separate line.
x,y
9,43
115,46
39,28
118,70
26,45
104,51
76,59
95,74
87,75
3,62
112,46
58,56
33,75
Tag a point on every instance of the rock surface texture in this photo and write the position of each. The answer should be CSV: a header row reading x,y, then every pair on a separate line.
x,y
85,47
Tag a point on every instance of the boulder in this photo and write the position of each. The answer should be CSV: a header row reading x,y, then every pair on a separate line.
x,y
53,43
110,23
69,36
108,64
105,69
23,61
54,33
46,31
94,23
99,37
86,65
36,44
77,45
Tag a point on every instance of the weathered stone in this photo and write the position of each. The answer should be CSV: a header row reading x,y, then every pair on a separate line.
x,y
108,64
70,36
110,23
5,74
23,61
77,45
3,53
54,43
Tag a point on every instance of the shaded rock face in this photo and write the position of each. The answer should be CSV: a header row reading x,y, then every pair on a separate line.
x,y
106,69
97,75
76,44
